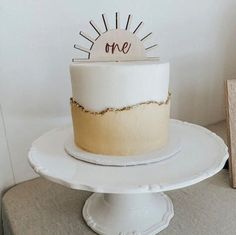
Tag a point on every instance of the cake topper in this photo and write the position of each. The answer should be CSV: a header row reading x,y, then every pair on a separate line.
x,y
119,44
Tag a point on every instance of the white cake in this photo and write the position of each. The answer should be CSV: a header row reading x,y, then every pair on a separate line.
x,y
120,108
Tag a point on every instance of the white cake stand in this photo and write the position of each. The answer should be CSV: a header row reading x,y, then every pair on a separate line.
x,y
129,200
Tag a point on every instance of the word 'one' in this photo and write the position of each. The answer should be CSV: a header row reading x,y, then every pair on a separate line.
x,y
112,48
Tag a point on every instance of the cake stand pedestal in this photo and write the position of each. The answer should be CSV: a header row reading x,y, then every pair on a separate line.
x,y
130,200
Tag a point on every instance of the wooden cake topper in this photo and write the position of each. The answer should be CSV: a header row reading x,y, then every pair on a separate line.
x,y
115,44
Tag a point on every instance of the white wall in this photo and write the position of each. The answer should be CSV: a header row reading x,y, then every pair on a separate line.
x,y
36,47
6,173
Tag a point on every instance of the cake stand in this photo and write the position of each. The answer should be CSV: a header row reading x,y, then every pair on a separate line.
x,y
130,200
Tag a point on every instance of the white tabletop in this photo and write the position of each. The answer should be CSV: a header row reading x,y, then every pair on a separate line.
x,y
203,154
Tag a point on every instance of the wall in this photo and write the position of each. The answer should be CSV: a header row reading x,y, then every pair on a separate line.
x,y
6,173
36,47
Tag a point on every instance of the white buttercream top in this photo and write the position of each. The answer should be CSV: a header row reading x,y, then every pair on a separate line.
x,y
100,85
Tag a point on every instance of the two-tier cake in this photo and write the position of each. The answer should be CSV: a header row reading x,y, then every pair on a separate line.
x,y
120,108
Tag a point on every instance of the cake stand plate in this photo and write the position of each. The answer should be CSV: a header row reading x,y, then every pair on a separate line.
x,y
172,147
129,200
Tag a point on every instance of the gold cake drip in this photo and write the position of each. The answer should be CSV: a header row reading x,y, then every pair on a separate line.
x,y
120,109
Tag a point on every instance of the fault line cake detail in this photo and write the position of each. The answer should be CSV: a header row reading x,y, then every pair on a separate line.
x,y
120,101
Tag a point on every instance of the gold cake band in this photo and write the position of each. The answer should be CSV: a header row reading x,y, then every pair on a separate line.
x,y
131,130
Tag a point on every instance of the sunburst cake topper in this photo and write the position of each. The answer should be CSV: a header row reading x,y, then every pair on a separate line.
x,y
117,44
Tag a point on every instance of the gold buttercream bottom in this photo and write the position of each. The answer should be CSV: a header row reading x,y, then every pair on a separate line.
x,y
136,130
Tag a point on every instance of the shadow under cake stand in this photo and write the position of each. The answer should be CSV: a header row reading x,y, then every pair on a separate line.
x,y
130,200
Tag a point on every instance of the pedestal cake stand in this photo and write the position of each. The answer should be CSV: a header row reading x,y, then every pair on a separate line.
x,y
130,200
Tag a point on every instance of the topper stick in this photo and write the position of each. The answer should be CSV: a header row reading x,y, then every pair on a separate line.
x,y
105,22
148,48
99,32
81,48
86,36
138,27
128,22
117,20
145,37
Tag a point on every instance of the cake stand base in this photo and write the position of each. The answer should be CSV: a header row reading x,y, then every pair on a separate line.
x,y
128,214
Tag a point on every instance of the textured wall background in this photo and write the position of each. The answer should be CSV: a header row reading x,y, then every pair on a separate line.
x,y
36,47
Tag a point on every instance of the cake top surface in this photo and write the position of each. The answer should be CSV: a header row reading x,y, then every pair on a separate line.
x,y
118,63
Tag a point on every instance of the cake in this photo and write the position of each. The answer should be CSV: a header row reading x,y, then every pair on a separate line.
x,y
120,108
